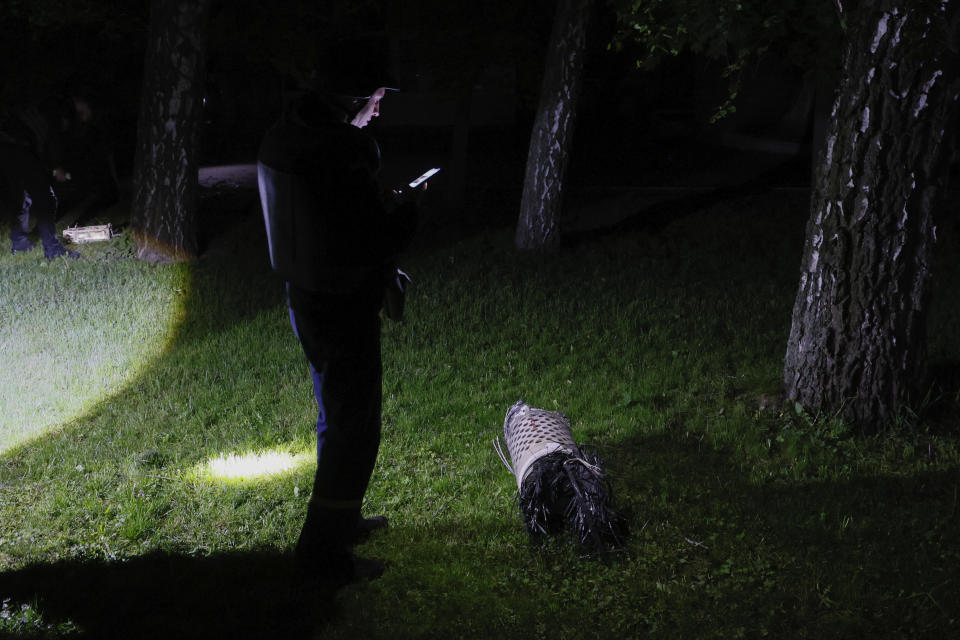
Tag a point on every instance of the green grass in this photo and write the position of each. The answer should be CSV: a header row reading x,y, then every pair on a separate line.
x,y
75,332
665,350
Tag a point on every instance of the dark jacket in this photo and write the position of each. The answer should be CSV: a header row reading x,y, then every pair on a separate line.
x,y
328,228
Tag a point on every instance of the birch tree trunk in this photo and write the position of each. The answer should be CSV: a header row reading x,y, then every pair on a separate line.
x,y
163,219
550,141
857,345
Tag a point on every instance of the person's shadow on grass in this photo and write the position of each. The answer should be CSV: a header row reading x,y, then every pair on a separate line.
x,y
235,595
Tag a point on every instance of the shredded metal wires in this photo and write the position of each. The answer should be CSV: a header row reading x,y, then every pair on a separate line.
x,y
561,486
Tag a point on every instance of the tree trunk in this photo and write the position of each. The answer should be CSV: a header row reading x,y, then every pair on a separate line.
x,y
163,219
857,346
537,227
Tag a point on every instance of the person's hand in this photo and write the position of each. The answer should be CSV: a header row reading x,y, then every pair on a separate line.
x,y
414,195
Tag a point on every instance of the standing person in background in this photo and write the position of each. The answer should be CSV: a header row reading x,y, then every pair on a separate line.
x,y
31,163
335,241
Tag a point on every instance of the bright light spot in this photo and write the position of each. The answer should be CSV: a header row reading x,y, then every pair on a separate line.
x,y
74,339
254,465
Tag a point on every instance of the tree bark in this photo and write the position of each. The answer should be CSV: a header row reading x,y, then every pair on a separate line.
x,y
163,219
550,141
857,345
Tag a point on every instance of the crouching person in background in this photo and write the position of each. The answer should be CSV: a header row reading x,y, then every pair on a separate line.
x,y
31,163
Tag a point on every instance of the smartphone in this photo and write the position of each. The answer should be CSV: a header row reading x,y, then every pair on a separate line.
x,y
426,176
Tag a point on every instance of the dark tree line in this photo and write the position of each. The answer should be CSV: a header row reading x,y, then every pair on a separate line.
x,y
857,346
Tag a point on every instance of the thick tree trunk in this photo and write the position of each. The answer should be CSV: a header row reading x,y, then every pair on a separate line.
x,y
163,219
537,227
857,345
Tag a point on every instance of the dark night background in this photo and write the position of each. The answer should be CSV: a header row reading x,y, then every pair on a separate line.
x,y
648,150
469,80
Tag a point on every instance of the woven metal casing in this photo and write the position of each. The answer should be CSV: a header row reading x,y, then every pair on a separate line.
x,y
533,433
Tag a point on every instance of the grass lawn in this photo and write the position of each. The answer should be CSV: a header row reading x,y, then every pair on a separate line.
x,y
156,448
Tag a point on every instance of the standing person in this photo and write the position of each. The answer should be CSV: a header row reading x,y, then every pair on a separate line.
x,y
335,241
31,154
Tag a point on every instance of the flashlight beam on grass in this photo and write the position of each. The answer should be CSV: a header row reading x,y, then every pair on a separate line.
x,y
62,358
253,465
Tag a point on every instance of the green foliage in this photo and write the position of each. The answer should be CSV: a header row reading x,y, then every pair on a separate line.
x,y
732,31
665,348
736,33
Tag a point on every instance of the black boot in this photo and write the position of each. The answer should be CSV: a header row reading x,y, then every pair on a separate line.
x,y
323,552
51,245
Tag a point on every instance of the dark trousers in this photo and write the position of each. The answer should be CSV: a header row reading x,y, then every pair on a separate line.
x,y
25,188
340,335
